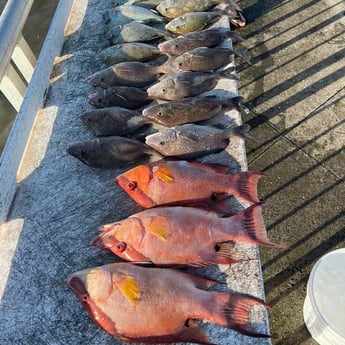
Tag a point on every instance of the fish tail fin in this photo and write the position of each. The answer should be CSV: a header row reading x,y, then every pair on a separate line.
x,y
234,312
227,73
244,185
242,132
254,226
242,53
234,36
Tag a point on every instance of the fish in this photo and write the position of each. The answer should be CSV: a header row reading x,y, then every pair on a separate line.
x,y
131,73
134,51
190,109
159,305
136,32
161,237
190,141
111,152
186,84
123,96
193,21
144,3
203,59
124,14
205,38
113,121
167,182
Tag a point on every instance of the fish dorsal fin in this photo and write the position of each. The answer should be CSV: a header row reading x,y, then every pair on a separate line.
x,y
129,288
203,283
158,226
217,168
164,173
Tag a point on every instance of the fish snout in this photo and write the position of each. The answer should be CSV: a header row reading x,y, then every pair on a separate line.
x,y
98,242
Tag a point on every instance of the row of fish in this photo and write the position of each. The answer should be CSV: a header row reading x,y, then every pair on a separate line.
x,y
188,218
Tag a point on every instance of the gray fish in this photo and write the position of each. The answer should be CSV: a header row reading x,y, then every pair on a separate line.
x,y
193,21
113,121
192,141
122,96
205,38
176,8
203,59
144,3
188,84
137,32
110,152
124,14
187,110
132,73
134,51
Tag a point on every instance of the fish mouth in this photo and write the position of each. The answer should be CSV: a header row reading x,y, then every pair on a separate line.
x,y
98,242
77,285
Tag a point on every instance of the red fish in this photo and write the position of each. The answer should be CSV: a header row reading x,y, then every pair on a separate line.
x,y
155,305
183,236
169,182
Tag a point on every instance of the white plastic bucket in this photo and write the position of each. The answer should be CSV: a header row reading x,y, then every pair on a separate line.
x,y
324,305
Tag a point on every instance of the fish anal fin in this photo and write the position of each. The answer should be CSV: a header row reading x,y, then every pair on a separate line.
x,y
226,253
203,283
129,288
164,173
158,226
193,334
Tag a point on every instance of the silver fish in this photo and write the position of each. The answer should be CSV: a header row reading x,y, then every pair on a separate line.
x,y
190,109
193,21
132,73
191,141
205,38
136,32
188,84
134,51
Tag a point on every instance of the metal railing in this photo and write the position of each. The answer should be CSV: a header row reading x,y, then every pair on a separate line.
x,y
15,51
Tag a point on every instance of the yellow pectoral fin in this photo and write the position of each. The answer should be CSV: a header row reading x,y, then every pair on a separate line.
x,y
130,289
158,226
164,174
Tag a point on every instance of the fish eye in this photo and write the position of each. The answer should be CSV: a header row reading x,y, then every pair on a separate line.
x,y
102,79
99,100
121,246
161,143
177,46
164,90
180,64
82,153
132,185
160,113
85,298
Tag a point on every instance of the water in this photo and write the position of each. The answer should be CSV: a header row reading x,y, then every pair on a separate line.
x,y
34,32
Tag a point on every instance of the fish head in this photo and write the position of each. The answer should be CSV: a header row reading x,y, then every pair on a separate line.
x,y
182,62
123,239
93,287
164,142
97,122
136,183
98,99
176,24
172,47
155,112
82,151
166,11
102,78
162,89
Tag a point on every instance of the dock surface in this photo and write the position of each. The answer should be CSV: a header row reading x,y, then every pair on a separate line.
x,y
60,203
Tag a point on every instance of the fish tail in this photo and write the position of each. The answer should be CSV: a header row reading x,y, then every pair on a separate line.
x,y
234,312
242,53
234,36
227,73
242,132
254,227
244,185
